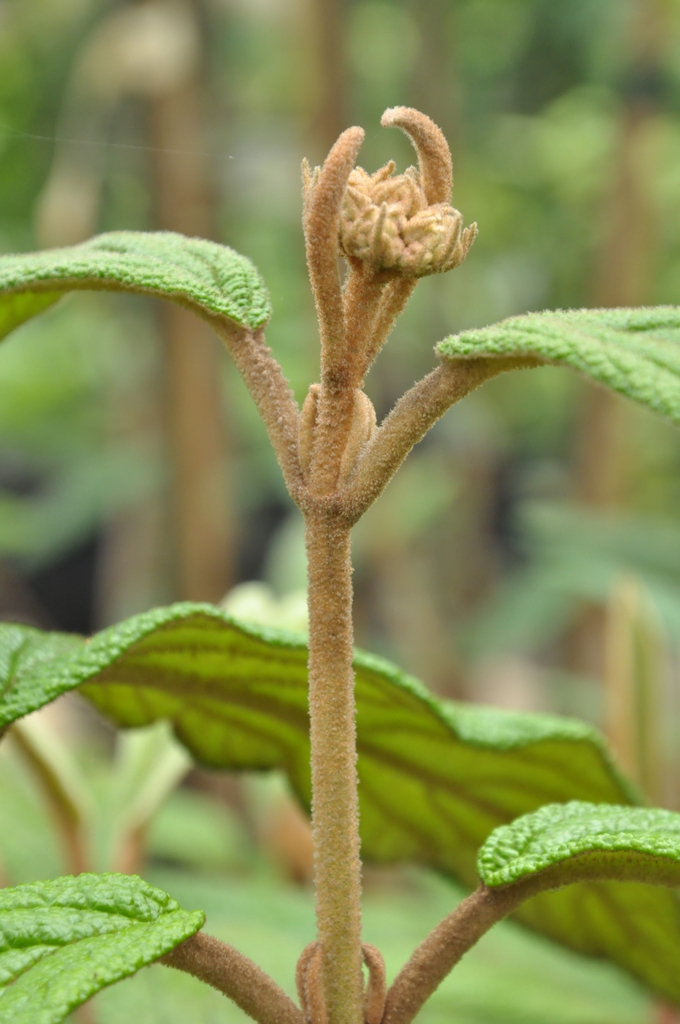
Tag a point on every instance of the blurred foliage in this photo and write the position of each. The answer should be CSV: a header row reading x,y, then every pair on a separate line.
x,y
532,96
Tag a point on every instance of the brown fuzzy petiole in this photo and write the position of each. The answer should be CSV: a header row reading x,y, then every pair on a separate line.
x,y
227,970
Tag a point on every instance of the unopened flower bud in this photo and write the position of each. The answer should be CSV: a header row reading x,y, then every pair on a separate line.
x,y
388,224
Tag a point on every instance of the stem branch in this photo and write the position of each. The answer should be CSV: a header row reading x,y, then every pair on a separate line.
x,y
411,418
444,947
271,393
237,977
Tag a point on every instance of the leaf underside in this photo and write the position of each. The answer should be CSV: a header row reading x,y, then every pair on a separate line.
x,y
564,843
212,280
62,941
633,351
435,778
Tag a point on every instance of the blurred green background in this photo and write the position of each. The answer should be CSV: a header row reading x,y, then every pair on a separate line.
x,y
528,554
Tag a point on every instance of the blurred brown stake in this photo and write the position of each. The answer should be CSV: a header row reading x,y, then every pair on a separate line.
x,y
627,257
635,667
184,202
439,63
151,50
329,25
623,278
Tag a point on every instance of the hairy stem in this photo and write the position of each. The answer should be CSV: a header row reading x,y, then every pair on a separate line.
x,y
332,428
271,393
376,990
361,303
335,816
406,424
411,418
394,300
443,948
237,977
309,983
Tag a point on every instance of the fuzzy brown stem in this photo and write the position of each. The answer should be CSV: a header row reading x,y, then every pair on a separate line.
x,y
376,990
309,983
362,303
237,977
335,812
301,975
443,948
406,424
271,393
393,303
332,428
410,419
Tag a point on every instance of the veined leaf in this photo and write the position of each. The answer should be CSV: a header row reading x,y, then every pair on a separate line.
x,y
62,941
211,279
565,843
435,779
633,351
237,697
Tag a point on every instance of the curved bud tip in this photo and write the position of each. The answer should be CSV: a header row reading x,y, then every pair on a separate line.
x,y
323,188
323,193
341,157
432,148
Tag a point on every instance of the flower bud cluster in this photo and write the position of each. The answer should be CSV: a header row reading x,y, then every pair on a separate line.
x,y
388,224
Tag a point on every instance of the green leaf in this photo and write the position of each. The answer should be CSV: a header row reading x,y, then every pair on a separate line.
x,y
211,279
576,841
435,778
632,351
565,843
237,697
62,941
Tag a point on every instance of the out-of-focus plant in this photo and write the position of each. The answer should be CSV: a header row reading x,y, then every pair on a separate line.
x,y
529,807
105,823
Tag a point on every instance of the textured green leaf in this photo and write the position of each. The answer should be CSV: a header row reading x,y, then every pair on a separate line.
x,y
62,941
435,778
565,843
632,351
210,279
580,840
